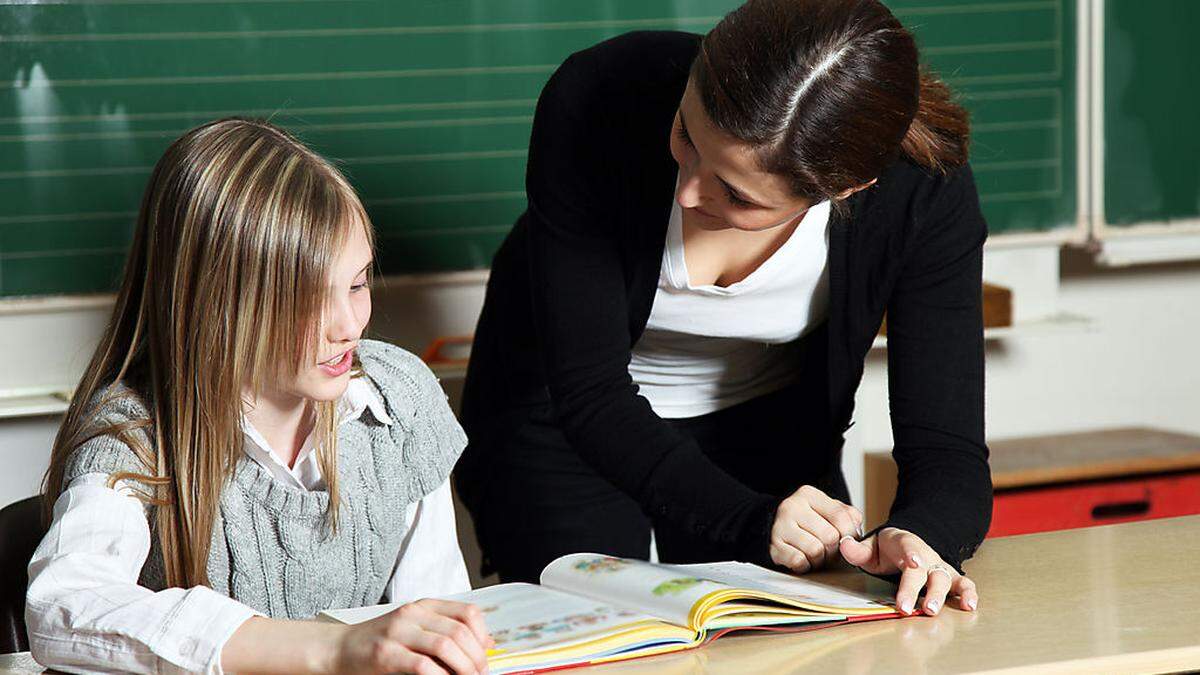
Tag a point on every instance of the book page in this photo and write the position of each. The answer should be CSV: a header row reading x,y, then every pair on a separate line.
x,y
746,575
523,617
664,591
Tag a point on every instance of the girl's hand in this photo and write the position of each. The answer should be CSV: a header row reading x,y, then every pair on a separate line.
x,y
895,550
426,637
808,526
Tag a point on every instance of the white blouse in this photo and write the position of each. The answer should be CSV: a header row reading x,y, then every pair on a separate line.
x,y
707,347
85,611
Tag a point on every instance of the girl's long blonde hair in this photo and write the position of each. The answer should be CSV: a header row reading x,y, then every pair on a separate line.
x,y
224,287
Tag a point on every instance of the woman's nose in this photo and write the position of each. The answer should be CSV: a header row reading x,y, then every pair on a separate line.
x,y
688,191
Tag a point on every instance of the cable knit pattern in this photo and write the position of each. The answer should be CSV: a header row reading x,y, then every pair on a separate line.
x,y
271,548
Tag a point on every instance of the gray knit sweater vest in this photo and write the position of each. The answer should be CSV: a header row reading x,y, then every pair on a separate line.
x,y
271,546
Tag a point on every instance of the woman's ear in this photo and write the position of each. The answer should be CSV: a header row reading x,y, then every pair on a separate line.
x,y
849,191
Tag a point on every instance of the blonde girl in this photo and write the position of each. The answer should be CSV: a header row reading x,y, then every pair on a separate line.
x,y
236,456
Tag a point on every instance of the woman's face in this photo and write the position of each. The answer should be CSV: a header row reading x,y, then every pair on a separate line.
x,y
720,183
325,376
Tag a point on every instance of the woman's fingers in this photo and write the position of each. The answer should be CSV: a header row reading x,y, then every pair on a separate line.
x,y
968,594
800,549
783,553
844,518
905,550
921,567
826,536
862,554
937,585
912,579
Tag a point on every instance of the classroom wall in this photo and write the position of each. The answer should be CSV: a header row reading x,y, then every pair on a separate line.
x,y
1133,364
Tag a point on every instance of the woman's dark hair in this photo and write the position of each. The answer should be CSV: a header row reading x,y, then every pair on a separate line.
x,y
830,91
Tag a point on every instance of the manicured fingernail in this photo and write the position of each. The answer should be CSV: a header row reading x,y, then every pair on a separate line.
x,y
845,538
915,560
906,606
932,607
861,532
971,604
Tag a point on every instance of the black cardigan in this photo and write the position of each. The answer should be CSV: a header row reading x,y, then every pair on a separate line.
x,y
572,286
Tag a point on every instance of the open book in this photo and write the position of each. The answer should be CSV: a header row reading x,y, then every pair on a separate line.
x,y
594,608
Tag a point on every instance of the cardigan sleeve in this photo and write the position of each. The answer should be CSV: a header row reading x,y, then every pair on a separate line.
x,y
581,317
935,377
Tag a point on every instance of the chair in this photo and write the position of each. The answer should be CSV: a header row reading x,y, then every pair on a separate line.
x,y
21,531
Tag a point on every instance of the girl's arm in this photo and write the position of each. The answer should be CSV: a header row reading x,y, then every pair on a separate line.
x,y
430,562
85,611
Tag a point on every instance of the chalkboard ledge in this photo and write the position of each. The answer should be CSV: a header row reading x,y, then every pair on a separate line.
x,y
54,303
1147,244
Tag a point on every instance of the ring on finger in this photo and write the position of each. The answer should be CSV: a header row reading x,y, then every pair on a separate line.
x,y
940,568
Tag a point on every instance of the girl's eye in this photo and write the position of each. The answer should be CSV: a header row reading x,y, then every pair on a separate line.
x,y
359,286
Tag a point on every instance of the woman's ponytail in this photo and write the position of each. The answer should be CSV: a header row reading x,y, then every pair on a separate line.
x,y
939,135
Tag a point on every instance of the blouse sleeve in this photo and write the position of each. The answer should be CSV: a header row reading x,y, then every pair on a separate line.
x,y
935,378
430,563
85,611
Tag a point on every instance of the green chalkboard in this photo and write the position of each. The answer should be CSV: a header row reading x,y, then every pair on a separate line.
x,y
426,104
1151,104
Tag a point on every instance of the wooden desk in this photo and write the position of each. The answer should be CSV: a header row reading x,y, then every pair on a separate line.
x,y
1118,598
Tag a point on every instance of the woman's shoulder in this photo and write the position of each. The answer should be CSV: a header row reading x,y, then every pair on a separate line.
x,y
622,69
640,51
914,200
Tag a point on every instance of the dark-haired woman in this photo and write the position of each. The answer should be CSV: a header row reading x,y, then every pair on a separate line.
x,y
675,328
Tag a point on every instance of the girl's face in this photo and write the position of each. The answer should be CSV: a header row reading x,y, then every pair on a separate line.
x,y
325,376
720,183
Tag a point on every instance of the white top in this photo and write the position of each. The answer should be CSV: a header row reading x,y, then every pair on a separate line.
x,y
85,609
706,348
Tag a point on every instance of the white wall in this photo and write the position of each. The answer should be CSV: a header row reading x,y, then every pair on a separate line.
x,y
1135,364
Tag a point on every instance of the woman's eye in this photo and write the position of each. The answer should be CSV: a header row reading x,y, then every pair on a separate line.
x,y
359,286
682,133
736,200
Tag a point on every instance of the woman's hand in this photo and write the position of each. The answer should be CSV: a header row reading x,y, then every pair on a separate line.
x,y
426,637
894,550
808,526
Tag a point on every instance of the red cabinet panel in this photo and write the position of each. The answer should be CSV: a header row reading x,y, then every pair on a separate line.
x,y
1062,507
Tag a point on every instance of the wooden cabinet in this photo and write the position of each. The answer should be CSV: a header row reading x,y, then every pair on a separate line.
x,y
1064,481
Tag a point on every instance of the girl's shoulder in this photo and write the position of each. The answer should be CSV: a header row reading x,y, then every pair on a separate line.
x,y
422,422
118,420
404,382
